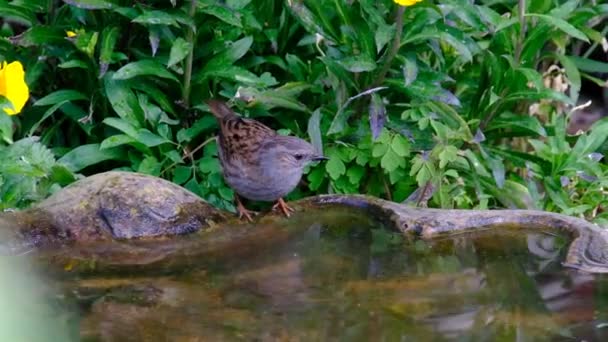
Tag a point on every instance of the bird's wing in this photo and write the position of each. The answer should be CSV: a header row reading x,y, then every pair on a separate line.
x,y
241,138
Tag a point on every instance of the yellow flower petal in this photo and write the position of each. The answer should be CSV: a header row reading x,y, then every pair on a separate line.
x,y
13,86
407,3
70,34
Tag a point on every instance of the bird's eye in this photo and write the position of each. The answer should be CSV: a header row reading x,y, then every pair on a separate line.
x,y
298,156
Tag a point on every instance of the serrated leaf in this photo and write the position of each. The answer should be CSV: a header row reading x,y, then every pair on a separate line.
x,y
355,173
447,155
390,161
379,150
150,166
400,145
335,167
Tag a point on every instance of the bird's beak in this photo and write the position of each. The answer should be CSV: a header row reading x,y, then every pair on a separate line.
x,y
319,158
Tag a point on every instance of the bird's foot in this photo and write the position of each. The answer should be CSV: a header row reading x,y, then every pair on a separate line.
x,y
243,212
285,209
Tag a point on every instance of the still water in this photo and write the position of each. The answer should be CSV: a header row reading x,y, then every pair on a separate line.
x,y
341,276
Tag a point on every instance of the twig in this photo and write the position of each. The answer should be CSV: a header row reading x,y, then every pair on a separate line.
x,y
521,15
390,55
189,60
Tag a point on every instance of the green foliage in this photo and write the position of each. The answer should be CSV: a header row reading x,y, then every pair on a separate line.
x,y
396,98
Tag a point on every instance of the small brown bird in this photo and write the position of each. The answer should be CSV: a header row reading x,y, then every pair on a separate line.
x,y
258,163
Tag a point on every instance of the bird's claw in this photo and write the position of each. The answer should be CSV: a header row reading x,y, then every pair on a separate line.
x,y
283,207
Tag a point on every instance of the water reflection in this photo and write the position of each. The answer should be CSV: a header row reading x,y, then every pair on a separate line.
x,y
345,278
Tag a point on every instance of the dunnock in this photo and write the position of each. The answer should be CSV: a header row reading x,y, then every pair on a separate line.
x,y
258,163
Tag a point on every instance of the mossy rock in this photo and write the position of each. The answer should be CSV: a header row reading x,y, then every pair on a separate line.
x,y
108,206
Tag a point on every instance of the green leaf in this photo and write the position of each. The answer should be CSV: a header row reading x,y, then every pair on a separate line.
x,y
589,65
6,128
39,35
272,98
60,96
314,130
123,100
86,42
237,49
209,164
74,63
87,155
149,139
383,35
109,37
181,174
144,68
391,161
237,74
91,4
448,154
400,145
149,166
116,140
335,166
179,50
121,125
458,45
315,178
359,63
308,20
156,18
223,14
355,173
561,25
17,13
379,150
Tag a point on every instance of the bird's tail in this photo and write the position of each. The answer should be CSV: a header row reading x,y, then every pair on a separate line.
x,y
220,109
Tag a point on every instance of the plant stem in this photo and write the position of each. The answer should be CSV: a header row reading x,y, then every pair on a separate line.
x,y
189,60
521,15
392,52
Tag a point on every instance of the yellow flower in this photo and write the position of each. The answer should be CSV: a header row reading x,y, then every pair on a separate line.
x,y
407,3
70,34
13,87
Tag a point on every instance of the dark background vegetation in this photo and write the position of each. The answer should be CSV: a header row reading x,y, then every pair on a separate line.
x,y
466,102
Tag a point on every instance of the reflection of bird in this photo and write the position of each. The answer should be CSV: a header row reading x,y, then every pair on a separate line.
x,y
258,163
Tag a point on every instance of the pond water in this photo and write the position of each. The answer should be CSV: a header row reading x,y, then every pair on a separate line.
x,y
341,276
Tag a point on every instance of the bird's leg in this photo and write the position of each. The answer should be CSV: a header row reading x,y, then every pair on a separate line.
x,y
242,211
281,205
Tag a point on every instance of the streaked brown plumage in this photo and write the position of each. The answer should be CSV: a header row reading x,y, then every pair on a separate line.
x,y
258,163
